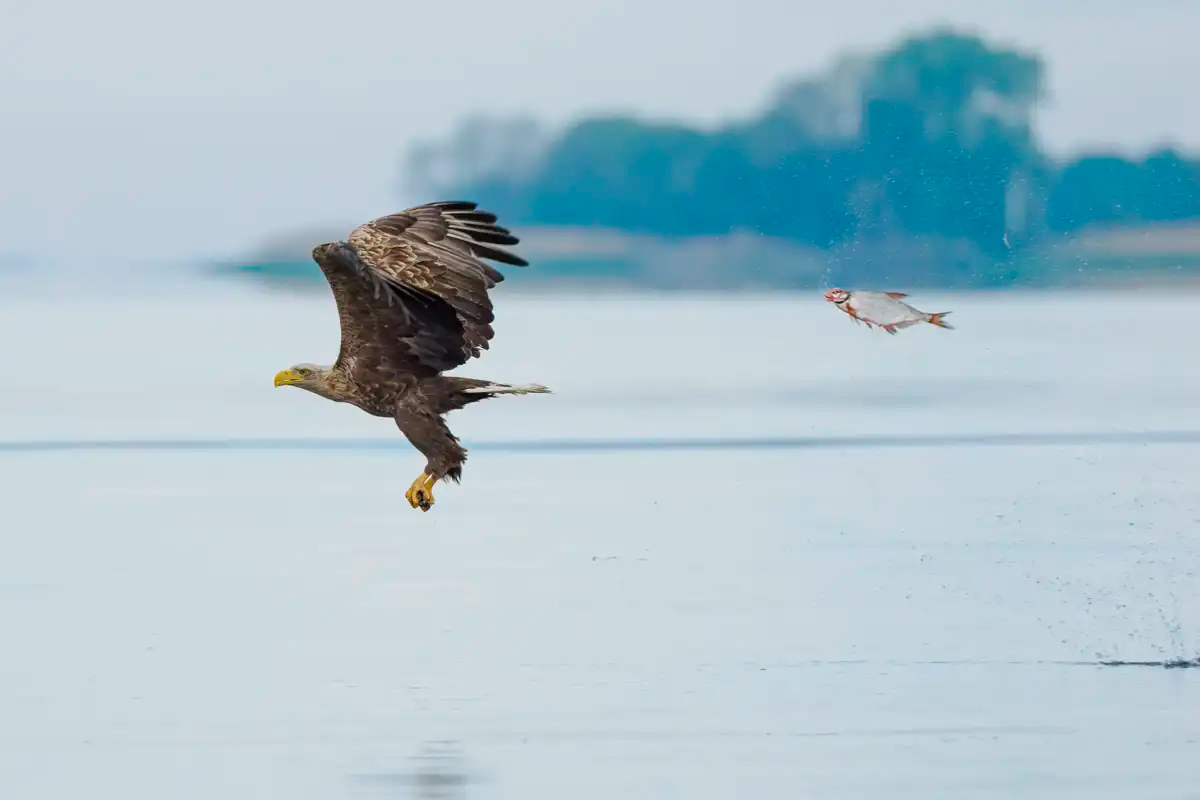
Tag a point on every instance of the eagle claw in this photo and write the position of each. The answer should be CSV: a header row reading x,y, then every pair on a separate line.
x,y
420,493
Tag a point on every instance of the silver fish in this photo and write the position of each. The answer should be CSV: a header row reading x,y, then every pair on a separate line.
x,y
885,309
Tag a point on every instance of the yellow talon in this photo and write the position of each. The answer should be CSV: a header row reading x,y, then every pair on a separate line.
x,y
420,493
416,486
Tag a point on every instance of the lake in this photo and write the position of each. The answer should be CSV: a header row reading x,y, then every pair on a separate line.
x,y
747,549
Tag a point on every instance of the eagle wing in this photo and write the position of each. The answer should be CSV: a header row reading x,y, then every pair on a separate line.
x,y
412,288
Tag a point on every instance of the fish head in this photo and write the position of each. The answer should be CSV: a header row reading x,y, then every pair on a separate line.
x,y
837,295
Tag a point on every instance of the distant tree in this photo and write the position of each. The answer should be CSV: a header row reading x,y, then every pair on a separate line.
x,y
947,124
932,138
1169,188
1094,189
624,174
960,87
493,151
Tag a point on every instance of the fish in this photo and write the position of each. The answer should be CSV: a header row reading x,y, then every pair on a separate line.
x,y
885,309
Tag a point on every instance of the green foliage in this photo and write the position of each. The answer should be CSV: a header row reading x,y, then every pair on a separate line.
x,y
1110,189
931,139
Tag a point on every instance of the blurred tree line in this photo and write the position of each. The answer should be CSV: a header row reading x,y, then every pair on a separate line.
x,y
933,137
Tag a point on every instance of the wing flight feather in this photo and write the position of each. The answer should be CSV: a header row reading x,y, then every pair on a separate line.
x,y
412,288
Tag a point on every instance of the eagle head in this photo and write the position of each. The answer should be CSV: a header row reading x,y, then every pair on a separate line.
x,y
306,376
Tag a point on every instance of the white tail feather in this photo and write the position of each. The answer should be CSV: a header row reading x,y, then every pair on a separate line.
x,y
504,388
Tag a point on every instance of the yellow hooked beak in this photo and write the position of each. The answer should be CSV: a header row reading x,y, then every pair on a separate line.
x,y
287,376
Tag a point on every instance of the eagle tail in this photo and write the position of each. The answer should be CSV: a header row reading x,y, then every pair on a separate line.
x,y
504,388
449,394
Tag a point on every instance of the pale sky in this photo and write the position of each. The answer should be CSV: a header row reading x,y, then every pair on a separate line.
x,y
147,130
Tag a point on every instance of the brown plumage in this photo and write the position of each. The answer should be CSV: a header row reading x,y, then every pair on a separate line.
x,y
412,298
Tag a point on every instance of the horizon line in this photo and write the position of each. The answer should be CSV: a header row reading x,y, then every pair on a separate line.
x,y
614,445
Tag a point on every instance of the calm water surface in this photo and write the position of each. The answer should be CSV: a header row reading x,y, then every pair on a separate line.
x,y
917,615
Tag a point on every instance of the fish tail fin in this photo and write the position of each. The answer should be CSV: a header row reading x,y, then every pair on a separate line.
x,y
939,320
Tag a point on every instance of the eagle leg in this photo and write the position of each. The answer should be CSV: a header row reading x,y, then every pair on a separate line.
x,y
420,493
426,430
